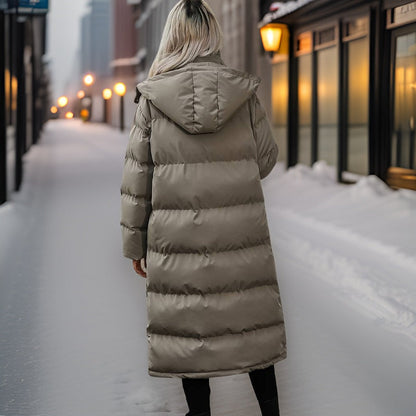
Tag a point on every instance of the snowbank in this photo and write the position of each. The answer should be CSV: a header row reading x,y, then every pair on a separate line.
x,y
359,238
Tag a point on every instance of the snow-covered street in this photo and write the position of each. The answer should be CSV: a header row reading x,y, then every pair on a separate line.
x,y
73,314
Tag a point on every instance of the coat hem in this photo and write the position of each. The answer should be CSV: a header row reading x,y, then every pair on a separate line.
x,y
217,373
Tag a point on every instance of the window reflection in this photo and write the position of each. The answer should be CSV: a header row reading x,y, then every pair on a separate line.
x,y
305,109
403,141
280,82
358,95
328,105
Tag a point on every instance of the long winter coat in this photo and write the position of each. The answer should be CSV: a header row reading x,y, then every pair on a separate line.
x,y
192,204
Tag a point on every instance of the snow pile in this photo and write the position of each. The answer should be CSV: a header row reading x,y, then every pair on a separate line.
x,y
358,238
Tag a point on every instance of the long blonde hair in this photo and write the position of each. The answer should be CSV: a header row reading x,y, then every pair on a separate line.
x,y
191,30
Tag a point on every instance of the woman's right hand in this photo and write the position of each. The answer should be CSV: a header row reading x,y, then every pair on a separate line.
x,y
137,266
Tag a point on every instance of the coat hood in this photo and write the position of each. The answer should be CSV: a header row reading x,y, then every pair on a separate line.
x,y
202,95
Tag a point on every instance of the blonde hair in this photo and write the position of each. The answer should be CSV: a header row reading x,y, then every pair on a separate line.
x,y
191,30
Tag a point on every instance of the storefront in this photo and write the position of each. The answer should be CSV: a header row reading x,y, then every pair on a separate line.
x,y
344,90
24,86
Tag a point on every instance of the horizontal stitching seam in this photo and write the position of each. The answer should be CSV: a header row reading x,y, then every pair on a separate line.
x,y
283,353
221,335
128,195
201,209
144,228
130,157
206,161
213,293
263,243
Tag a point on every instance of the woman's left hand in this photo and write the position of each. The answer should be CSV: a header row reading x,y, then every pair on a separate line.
x,y
138,267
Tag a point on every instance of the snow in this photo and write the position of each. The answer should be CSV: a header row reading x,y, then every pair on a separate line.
x,y
280,9
73,314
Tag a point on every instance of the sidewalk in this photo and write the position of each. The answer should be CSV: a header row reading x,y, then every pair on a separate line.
x,y
73,315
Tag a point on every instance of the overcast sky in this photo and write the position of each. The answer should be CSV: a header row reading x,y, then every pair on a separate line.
x,y
63,39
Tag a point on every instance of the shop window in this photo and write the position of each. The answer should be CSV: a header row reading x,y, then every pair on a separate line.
x,y
304,43
319,95
280,82
355,38
358,96
325,37
305,109
403,153
327,101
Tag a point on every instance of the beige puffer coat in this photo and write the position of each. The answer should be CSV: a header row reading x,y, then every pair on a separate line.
x,y
192,204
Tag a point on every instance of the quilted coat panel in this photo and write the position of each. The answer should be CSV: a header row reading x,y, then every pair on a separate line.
x,y
192,204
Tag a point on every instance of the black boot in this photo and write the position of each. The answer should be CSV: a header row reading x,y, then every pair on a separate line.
x,y
270,407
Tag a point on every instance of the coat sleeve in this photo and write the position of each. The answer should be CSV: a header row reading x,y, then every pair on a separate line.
x,y
136,186
267,149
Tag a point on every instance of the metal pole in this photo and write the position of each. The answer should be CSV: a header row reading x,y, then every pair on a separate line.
x,y
35,93
21,103
122,112
105,118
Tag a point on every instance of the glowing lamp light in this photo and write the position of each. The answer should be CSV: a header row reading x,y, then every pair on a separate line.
x,y
107,94
271,36
81,94
120,89
69,115
54,109
62,101
84,114
89,80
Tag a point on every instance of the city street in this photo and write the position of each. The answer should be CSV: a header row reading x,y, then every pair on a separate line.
x,y
73,314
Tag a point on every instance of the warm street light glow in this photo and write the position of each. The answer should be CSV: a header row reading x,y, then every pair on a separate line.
x,y
107,94
81,94
54,109
89,80
120,89
271,36
69,115
84,114
62,101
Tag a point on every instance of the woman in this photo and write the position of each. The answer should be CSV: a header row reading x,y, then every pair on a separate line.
x,y
193,218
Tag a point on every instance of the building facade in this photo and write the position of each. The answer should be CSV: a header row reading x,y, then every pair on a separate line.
x,y
96,39
24,88
345,90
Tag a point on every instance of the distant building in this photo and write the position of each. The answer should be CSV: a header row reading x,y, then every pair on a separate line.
x,y
124,59
96,42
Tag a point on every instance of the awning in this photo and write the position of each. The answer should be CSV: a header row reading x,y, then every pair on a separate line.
x,y
131,61
283,10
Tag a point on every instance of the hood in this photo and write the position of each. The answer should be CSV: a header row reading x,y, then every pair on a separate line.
x,y
202,95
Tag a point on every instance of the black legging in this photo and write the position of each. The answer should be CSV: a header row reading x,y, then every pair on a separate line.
x,y
197,390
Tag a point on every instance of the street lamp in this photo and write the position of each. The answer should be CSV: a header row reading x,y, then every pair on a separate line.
x,y
62,101
54,112
107,94
120,89
271,36
88,81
